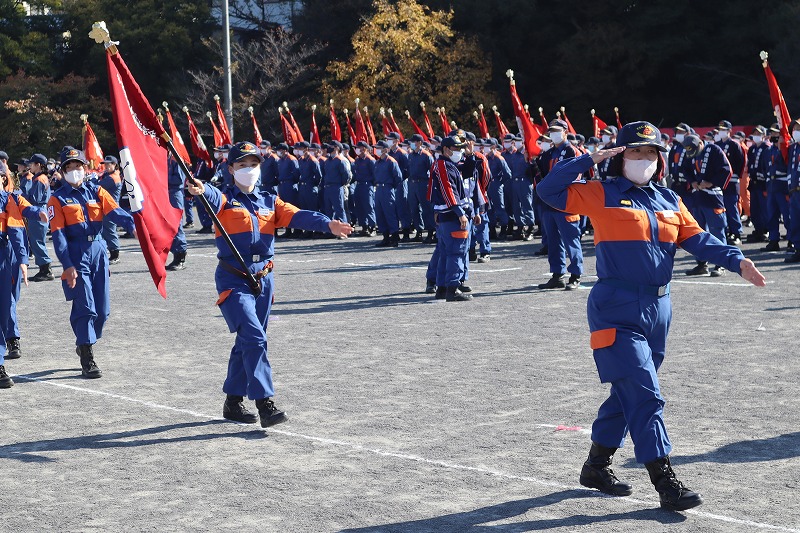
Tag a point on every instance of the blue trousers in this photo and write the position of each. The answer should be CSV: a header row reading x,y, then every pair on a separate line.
x,y
523,201
419,206
386,209
287,191
202,215
307,196
629,335
401,205
451,266
249,371
433,264
6,298
11,324
176,199
730,197
758,209
777,205
497,201
37,235
364,208
709,219
188,203
89,297
480,236
794,219
334,202
110,234
563,239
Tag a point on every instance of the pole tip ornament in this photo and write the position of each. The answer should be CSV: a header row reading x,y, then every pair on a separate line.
x,y
331,101
382,111
438,109
208,114
480,106
408,113
165,105
562,109
443,109
541,109
84,118
186,109
365,109
616,110
763,55
101,36
313,107
526,107
280,110
422,105
453,123
475,114
494,108
357,101
510,74
389,111
346,111
216,98
592,112
250,110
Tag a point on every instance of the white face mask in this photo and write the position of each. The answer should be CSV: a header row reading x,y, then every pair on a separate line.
x,y
723,135
281,153
796,136
557,137
717,137
359,151
545,146
247,177
378,152
488,149
639,171
297,153
224,155
591,148
679,137
606,139
390,142
456,156
413,146
518,144
51,167
506,145
757,139
74,177
262,151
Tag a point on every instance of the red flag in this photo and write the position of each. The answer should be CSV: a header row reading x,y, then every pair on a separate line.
x,y
336,131
395,127
288,130
619,122
416,127
545,125
570,129
361,128
502,131
177,140
91,148
353,137
223,124
443,120
779,106
385,124
217,135
144,165
529,133
198,146
598,125
315,138
256,132
368,123
428,125
483,127
298,135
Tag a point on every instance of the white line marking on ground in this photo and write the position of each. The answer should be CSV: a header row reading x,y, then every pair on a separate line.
x,y
565,428
494,270
711,283
417,458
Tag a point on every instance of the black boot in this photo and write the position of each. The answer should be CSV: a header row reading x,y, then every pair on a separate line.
x,y
503,232
385,242
756,236
493,233
178,261
527,233
406,235
430,288
772,246
44,274
268,413
555,282
541,251
473,255
441,293
431,238
113,257
234,409
454,294
573,283
12,349
89,368
700,270
5,380
394,240
673,494
597,474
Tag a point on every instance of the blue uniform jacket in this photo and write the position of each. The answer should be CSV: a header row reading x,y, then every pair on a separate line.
x,y
733,151
288,169
364,170
499,168
222,174
12,227
637,229
419,166
39,191
76,215
175,176
794,167
448,190
337,171
776,165
757,162
517,164
387,172
269,171
402,160
310,173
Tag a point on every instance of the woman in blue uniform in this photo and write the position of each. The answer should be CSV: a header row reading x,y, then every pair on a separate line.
x,y
251,219
638,227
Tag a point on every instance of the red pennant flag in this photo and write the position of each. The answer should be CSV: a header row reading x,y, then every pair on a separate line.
x,y
315,138
91,148
288,130
483,127
619,122
198,146
395,127
298,135
177,140
570,129
350,131
336,131
217,135
443,120
361,128
144,165
779,106
529,133
256,132
223,124
385,124
502,130
416,127
543,120
428,125
368,123
598,125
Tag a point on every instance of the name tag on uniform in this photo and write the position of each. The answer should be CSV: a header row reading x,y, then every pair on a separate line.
x,y
264,211
69,201
626,202
88,202
668,213
234,203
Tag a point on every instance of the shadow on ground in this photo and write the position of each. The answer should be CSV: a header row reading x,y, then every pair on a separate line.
x,y
477,521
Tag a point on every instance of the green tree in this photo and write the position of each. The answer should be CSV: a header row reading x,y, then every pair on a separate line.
x,y
406,52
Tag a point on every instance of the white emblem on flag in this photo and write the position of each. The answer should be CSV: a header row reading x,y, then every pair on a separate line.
x,y
132,187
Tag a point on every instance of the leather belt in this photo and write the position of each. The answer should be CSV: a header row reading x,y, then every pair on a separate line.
x,y
227,267
85,238
649,290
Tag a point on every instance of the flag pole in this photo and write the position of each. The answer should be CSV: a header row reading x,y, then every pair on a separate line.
x,y
100,35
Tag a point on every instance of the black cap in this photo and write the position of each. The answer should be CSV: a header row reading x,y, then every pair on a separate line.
x,y
470,136
760,130
508,137
282,146
381,144
416,138
393,135
335,144
301,145
611,130
3,155
452,142
72,154
316,146
740,134
683,127
640,133
692,144
241,150
593,140
558,123
437,139
362,144
724,125
38,158
265,144
111,159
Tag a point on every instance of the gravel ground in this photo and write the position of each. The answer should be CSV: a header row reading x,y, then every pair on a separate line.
x,y
407,414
